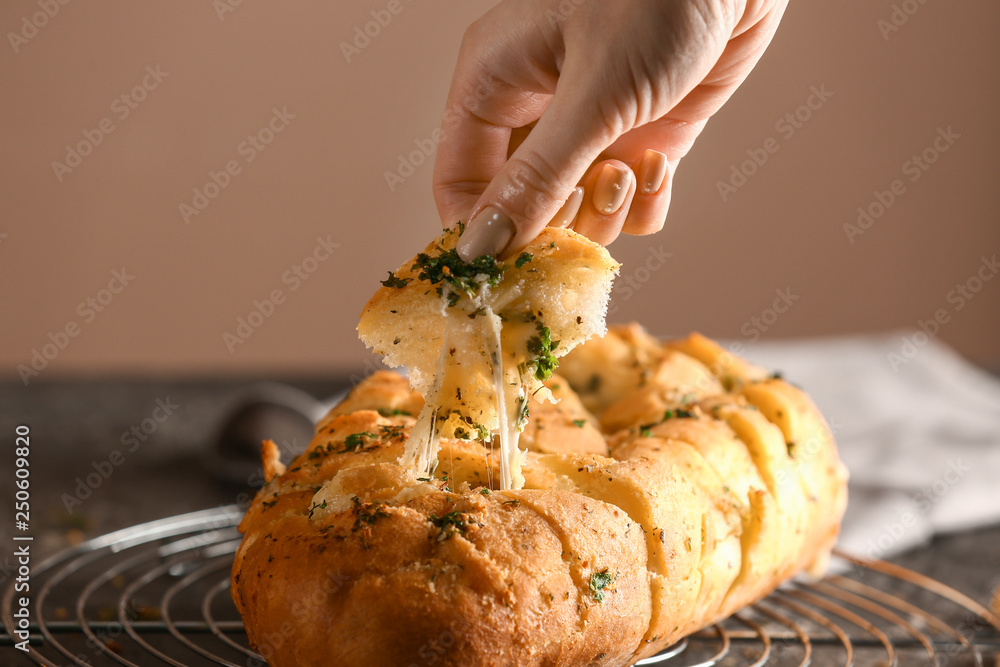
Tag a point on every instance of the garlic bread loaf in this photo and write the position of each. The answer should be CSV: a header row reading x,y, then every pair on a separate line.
x,y
672,484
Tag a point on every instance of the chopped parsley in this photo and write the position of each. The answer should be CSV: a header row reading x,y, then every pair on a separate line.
x,y
485,491
523,412
366,513
355,440
679,413
542,346
393,281
482,432
579,423
316,506
523,259
389,431
387,412
451,523
598,582
447,268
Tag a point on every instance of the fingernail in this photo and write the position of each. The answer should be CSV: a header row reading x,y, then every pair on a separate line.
x,y
567,214
652,171
488,234
611,189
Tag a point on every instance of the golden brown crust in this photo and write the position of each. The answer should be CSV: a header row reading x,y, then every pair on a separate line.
x,y
617,546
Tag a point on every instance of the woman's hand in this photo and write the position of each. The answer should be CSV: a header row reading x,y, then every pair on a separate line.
x,y
579,111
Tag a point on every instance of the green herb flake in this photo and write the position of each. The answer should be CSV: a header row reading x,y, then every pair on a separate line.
x,y
447,268
389,431
393,281
316,506
523,259
598,582
394,412
449,524
484,491
679,413
579,423
366,514
355,440
482,432
542,347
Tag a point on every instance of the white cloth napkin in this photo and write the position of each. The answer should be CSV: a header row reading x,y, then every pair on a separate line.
x,y
917,426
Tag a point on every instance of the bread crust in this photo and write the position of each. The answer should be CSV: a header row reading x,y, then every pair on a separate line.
x,y
610,553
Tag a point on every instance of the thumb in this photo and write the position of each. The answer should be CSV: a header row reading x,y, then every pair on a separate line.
x,y
538,177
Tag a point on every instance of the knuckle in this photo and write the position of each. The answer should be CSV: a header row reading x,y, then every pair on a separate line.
x,y
534,185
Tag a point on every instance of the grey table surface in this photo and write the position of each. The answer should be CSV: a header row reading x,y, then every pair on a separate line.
x,y
80,489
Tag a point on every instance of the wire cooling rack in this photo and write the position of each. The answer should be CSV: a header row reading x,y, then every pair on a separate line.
x,y
158,593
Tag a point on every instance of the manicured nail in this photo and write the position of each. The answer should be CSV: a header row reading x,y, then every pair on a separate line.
x,y
652,171
488,234
611,189
567,214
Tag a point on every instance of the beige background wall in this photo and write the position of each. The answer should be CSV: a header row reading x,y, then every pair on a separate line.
x,y
322,176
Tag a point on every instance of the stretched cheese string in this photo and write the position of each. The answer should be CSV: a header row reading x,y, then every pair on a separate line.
x,y
508,397
423,444
420,453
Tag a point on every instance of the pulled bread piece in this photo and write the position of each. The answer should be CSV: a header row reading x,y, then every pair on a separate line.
x,y
479,338
678,486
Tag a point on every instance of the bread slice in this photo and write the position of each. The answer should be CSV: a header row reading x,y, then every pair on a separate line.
x,y
479,338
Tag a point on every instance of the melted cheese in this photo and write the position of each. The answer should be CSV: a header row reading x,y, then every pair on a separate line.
x,y
477,346
479,389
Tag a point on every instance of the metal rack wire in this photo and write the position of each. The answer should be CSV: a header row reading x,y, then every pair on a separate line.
x,y
158,594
